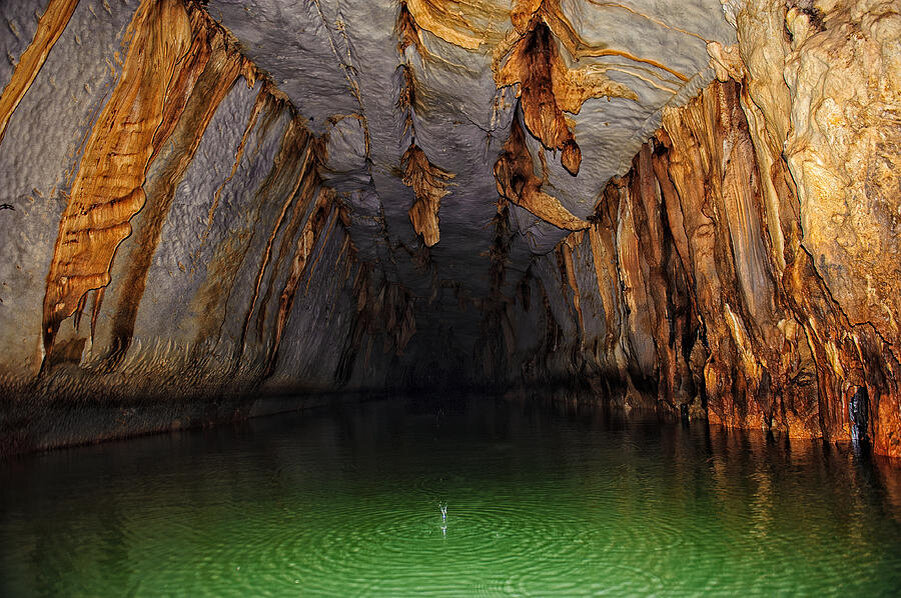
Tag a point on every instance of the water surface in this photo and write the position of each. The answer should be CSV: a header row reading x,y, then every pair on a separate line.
x,y
541,500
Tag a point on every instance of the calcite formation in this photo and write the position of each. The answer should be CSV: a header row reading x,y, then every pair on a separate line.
x,y
516,182
430,184
50,26
679,300
548,88
689,207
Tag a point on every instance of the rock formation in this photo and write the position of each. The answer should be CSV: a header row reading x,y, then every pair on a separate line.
x,y
690,207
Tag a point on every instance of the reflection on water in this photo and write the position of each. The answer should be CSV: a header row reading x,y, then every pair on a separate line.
x,y
463,497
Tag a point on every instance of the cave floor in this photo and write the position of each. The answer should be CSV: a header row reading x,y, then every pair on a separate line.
x,y
540,499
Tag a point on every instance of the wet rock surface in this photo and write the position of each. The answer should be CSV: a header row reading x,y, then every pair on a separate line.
x,y
688,207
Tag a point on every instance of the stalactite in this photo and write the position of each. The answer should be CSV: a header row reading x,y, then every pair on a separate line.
x,y
516,182
548,87
408,32
429,182
531,65
565,252
490,356
383,309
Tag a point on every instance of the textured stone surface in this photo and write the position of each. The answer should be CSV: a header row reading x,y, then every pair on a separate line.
x,y
460,119
680,302
207,202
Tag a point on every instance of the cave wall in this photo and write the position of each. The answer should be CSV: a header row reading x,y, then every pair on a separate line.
x,y
384,207
167,235
744,269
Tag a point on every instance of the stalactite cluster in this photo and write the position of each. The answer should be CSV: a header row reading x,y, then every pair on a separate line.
x,y
496,328
383,310
429,182
548,88
517,182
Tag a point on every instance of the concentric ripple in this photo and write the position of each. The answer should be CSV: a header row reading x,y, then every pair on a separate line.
x,y
537,505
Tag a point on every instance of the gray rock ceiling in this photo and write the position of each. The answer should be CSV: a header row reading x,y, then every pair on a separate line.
x,y
345,67
339,63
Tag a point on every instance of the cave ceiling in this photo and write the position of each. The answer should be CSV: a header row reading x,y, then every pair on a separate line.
x,y
419,100
342,65
680,205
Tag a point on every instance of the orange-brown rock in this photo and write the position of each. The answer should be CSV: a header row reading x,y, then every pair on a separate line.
x,y
50,27
516,181
695,293
107,191
468,24
548,88
429,183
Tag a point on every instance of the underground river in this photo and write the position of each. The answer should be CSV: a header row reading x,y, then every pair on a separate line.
x,y
541,499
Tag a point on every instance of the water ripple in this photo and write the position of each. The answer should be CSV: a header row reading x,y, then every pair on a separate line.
x,y
536,506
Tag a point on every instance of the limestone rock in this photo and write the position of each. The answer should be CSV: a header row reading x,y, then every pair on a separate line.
x,y
690,207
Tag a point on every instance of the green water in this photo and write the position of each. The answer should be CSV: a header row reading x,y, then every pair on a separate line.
x,y
541,501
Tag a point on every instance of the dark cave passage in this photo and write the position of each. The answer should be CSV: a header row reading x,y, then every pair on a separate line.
x,y
550,297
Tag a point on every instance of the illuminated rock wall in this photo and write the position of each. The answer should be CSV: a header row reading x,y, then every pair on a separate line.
x,y
687,206
166,234
745,268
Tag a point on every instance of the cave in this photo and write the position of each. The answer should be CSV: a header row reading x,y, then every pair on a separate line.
x,y
450,297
